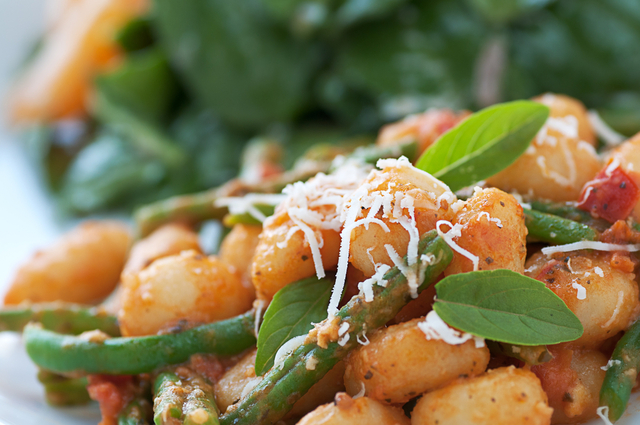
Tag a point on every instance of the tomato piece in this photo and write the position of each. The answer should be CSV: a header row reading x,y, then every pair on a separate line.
x,y
112,392
612,195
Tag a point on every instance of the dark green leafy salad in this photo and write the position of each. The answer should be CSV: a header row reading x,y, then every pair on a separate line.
x,y
196,81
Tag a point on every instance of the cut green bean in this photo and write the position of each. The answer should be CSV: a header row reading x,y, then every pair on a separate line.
x,y
137,412
556,230
127,356
188,398
622,373
569,211
200,407
63,391
169,398
286,383
59,317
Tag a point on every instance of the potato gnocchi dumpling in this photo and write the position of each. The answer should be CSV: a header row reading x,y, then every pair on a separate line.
x,y
604,298
83,266
503,396
400,363
189,288
348,411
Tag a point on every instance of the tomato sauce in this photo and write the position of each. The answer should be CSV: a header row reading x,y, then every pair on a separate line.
x,y
612,195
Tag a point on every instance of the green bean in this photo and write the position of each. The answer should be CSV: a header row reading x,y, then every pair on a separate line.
x,y
622,373
59,317
137,412
63,391
557,230
569,211
188,398
200,407
127,356
283,385
169,398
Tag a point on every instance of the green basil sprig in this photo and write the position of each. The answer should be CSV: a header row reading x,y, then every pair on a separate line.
x,y
502,305
484,144
290,314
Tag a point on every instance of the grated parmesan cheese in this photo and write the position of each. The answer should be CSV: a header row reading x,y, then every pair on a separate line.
x,y
610,364
250,386
435,328
448,238
606,133
362,338
287,349
582,291
304,198
598,246
615,310
247,204
490,219
603,413
361,392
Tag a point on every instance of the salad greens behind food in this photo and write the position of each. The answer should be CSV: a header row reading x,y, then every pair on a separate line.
x,y
203,77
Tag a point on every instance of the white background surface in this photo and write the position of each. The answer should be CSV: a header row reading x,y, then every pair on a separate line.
x,y
27,222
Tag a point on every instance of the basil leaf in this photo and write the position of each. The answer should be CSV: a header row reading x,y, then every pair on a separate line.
x,y
484,144
290,314
505,306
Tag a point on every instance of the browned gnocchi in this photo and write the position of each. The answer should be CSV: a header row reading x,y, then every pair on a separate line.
x,y
83,266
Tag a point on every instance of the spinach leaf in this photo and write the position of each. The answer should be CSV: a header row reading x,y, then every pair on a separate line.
x,y
290,314
502,11
423,56
235,61
505,306
484,144
144,85
106,173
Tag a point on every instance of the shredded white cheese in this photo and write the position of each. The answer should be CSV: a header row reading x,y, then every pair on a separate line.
x,y
251,385
582,291
603,413
287,349
455,231
610,364
344,339
366,286
615,310
397,207
598,246
304,199
606,133
362,338
361,392
490,219
435,328
343,329
247,203
598,271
